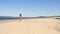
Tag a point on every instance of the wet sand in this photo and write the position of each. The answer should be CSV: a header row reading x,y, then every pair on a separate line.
x,y
30,26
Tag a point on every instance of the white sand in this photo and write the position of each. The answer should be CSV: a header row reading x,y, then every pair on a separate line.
x,y
29,26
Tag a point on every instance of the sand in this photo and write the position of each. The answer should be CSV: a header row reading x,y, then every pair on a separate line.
x,y
30,26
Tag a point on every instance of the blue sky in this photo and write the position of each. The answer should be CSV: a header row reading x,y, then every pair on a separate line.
x,y
29,8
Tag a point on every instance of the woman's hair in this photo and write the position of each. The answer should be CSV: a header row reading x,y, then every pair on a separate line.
x,y
20,14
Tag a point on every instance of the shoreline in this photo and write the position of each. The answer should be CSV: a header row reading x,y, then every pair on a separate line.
x,y
30,26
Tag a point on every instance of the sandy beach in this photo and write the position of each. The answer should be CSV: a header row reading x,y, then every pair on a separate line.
x,y
30,26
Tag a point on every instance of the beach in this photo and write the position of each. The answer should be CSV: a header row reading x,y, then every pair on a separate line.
x,y
30,26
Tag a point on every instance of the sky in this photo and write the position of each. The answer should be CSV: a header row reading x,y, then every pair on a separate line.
x,y
29,8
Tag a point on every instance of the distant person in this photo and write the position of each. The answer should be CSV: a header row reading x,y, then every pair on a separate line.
x,y
20,17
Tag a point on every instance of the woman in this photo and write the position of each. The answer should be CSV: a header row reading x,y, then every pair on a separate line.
x,y
20,17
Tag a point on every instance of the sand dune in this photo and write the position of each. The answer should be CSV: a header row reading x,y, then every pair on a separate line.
x,y
30,26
